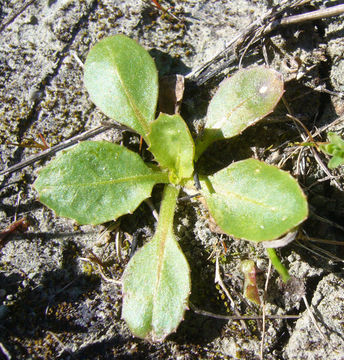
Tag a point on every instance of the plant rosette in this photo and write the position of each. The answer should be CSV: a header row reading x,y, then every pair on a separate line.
x,y
98,181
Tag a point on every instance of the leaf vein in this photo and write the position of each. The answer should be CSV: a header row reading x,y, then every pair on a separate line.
x,y
141,119
110,181
246,199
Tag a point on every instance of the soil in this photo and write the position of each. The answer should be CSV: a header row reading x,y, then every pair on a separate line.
x,y
56,305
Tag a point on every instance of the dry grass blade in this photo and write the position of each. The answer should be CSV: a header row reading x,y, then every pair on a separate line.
x,y
310,312
15,14
241,317
218,280
316,250
98,264
323,241
63,346
61,146
114,226
327,254
152,209
337,121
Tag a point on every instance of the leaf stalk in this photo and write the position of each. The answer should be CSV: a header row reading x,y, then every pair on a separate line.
x,y
276,262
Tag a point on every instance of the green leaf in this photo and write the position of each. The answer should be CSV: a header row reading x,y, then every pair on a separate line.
x,y
122,81
172,146
95,182
240,101
254,201
156,282
334,148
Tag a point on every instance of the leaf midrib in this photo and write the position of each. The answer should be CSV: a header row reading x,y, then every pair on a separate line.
x,y
152,177
164,234
219,124
141,119
243,198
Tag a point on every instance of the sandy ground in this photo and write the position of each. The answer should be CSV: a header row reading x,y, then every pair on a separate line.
x,y
53,304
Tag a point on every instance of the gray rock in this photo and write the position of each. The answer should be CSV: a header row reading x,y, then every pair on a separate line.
x,y
327,305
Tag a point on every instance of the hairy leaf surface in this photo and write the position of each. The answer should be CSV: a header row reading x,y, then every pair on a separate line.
x,y
172,145
241,101
156,282
95,182
122,81
255,201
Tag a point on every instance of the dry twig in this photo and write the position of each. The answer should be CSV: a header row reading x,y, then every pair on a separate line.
x,y
15,14
19,225
313,15
241,317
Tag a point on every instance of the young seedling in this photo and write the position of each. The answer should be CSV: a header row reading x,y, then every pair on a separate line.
x,y
334,148
248,268
95,182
